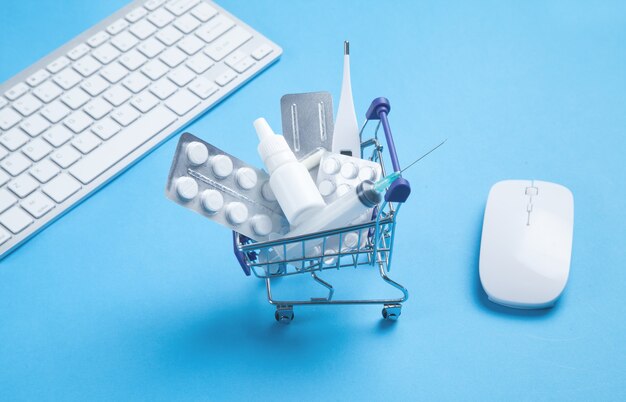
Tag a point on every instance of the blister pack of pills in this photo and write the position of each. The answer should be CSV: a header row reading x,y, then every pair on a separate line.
x,y
338,174
224,189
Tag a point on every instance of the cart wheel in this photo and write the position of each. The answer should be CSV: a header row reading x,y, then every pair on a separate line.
x,y
284,316
391,312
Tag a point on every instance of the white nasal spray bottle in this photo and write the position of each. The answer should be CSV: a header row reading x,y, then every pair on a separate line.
x,y
290,181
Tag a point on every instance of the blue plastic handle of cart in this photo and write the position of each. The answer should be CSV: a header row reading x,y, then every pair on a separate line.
x,y
400,189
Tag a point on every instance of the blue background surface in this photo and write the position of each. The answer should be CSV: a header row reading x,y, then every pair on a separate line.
x,y
131,297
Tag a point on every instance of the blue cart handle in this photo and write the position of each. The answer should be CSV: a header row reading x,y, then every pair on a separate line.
x,y
400,189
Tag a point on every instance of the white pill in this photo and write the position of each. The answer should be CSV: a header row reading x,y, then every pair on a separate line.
x,y
350,240
222,166
187,188
246,178
236,213
326,188
366,173
267,192
212,201
331,166
261,224
343,189
330,259
197,153
349,170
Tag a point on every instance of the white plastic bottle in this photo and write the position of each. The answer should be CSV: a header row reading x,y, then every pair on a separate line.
x,y
290,181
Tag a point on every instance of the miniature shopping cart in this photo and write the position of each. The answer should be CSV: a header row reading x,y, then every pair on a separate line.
x,y
270,260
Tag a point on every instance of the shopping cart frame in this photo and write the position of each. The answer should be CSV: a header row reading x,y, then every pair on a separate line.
x,y
317,252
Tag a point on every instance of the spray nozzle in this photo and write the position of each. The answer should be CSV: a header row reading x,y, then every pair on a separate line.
x,y
263,129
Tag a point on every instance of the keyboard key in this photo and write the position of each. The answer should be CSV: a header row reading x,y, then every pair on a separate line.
x,y
106,53
58,65
142,29
75,98
169,35
15,164
125,115
114,150
124,41
27,105
117,27
61,187
98,39
181,76
8,118
105,129
191,45
16,91
153,4
78,52
65,156
172,57
3,154
13,139
199,63
67,78
203,12
4,236
136,82
163,88
214,28
86,142
187,23
161,18
155,69
98,108
145,102
94,85
3,102
203,87
37,149
114,72
44,171
57,135
117,95
55,111
133,60
137,14
230,41
15,219
4,177
224,78
6,199
37,78
47,91
261,51
243,65
35,125
151,47
78,121
37,204
182,102
87,66
180,7
23,185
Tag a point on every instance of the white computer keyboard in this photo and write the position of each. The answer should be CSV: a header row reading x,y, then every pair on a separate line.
x,y
81,115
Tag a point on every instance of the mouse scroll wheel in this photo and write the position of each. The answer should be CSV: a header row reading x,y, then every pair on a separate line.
x,y
532,191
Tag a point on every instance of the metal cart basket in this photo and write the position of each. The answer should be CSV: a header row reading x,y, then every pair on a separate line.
x,y
316,252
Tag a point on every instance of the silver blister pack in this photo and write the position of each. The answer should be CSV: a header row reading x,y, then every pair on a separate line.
x,y
224,189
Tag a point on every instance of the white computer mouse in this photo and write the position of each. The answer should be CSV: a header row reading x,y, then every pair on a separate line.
x,y
526,243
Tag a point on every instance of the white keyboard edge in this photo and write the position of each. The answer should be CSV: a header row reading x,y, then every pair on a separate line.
x,y
87,190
